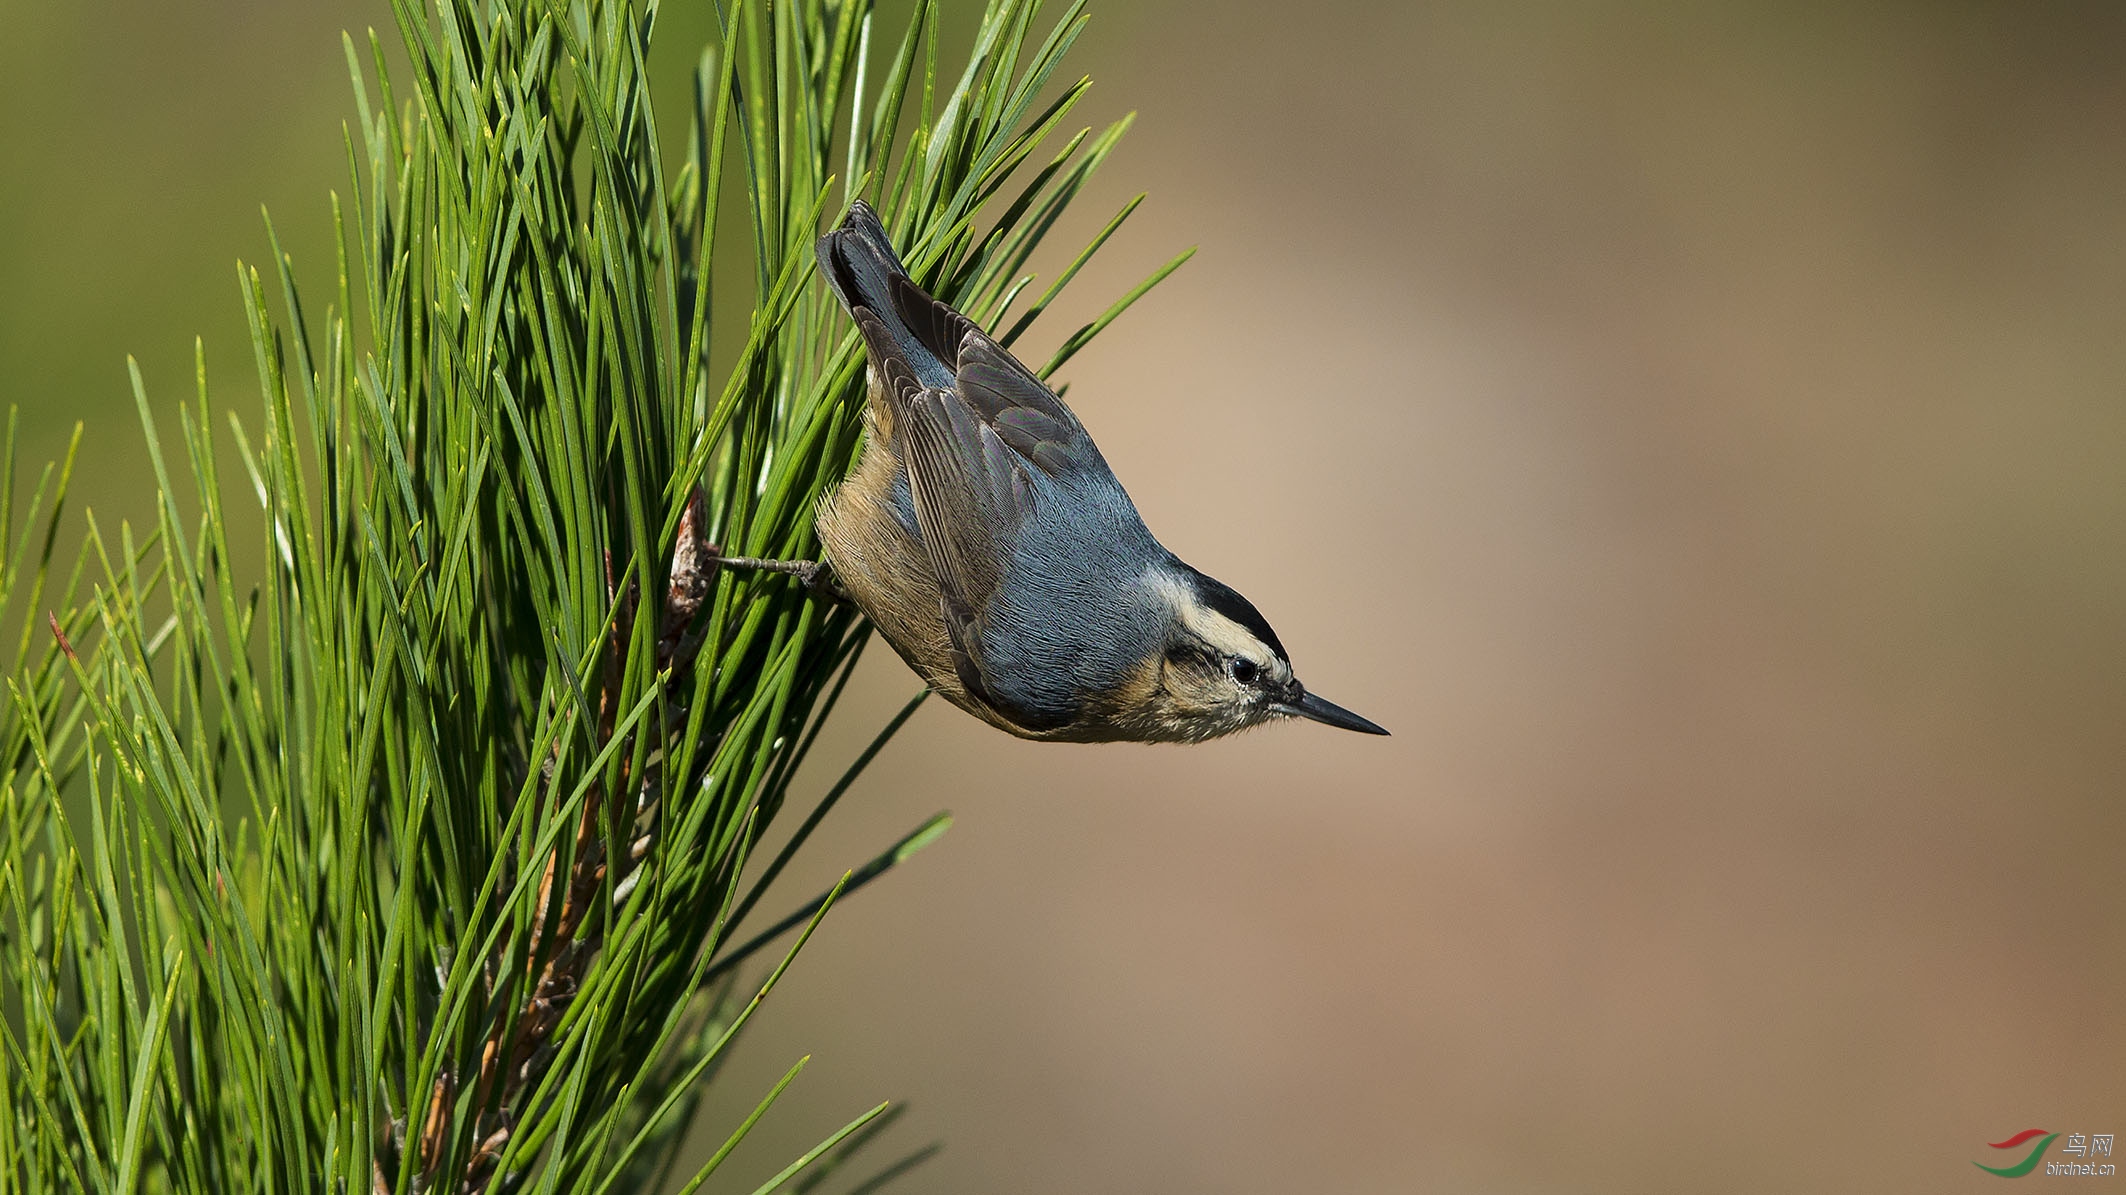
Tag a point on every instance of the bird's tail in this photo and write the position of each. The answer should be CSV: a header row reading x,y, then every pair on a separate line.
x,y
859,263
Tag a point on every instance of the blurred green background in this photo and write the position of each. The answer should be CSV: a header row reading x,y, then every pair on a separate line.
x,y
1698,432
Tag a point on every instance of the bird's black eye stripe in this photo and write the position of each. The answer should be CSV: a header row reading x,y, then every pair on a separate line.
x,y
1243,670
1193,654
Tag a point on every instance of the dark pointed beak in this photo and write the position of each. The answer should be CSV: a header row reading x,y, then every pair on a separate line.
x,y
1329,713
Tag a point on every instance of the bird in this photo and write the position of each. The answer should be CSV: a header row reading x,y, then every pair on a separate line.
x,y
985,537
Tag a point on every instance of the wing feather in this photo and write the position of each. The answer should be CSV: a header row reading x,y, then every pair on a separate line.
x,y
971,495
1025,413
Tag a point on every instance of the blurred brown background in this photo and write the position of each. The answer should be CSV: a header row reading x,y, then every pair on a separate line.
x,y
1698,433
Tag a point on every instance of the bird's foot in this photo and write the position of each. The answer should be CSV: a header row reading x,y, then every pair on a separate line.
x,y
817,576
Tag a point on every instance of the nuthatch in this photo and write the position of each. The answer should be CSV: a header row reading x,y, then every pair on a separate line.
x,y
987,540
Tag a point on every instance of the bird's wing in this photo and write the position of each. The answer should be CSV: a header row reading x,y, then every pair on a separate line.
x,y
972,495
997,388
1025,414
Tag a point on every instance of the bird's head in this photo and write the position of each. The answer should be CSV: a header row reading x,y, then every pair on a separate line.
x,y
1221,668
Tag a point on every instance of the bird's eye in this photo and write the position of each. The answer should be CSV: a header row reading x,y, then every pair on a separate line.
x,y
1243,670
